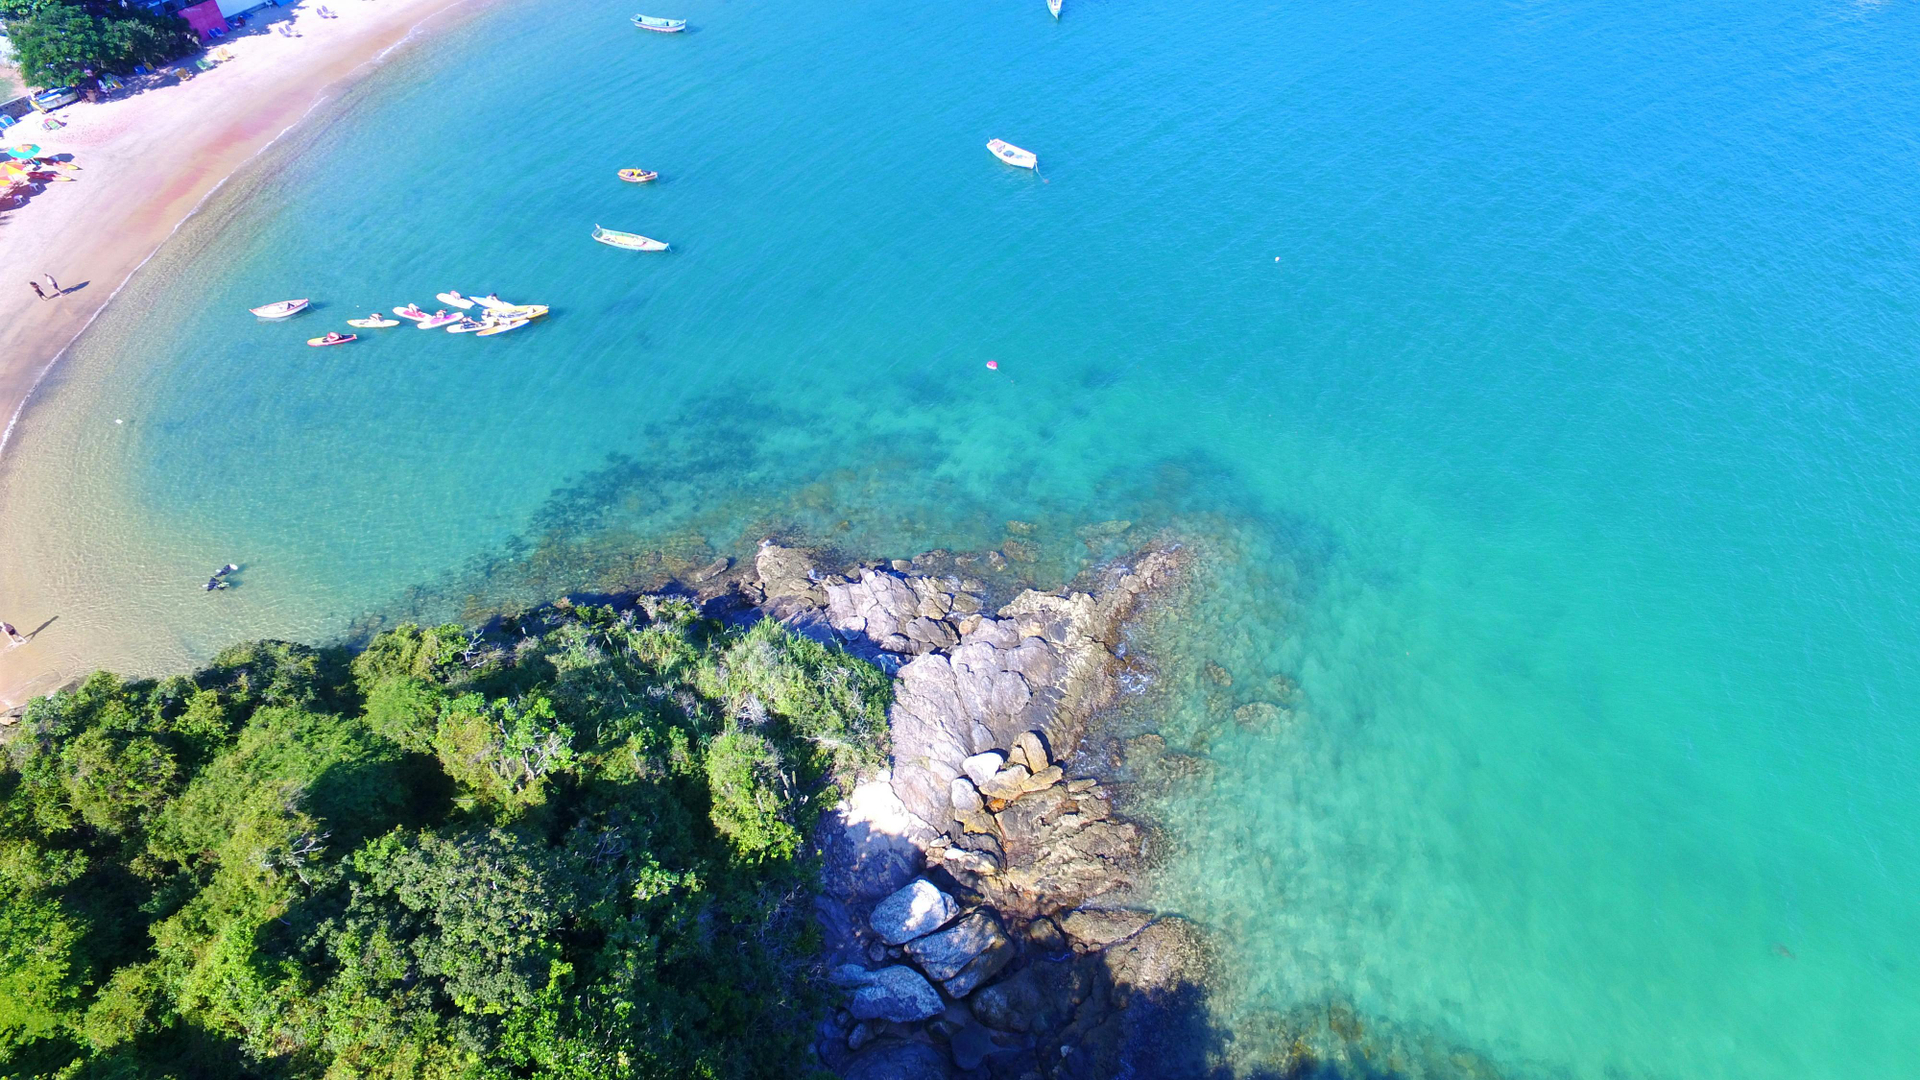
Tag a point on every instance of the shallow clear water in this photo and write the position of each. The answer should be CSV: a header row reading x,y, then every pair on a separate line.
x,y
1536,380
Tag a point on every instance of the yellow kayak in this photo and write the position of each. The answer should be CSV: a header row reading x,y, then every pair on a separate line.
x,y
501,328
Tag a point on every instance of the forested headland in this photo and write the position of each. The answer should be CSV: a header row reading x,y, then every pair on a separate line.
x,y
572,846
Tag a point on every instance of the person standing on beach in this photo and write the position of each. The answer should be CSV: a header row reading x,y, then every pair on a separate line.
x,y
13,634
37,291
52,284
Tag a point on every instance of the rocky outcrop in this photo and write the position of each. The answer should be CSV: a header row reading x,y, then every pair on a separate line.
x,y
1022,922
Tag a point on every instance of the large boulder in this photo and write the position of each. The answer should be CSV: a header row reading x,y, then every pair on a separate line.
x,y
786,572
1098,928
897,993
917,909
965,955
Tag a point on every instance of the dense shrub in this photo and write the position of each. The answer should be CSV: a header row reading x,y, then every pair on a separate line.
x,y
573,852
55,41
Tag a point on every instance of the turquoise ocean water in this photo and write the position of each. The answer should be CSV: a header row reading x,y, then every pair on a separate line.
x,y
1536,379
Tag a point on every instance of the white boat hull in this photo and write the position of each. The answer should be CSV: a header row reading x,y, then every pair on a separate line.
x,y
1013,155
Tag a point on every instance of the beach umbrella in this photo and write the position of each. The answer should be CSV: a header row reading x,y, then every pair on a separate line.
x,y
14,172
24,151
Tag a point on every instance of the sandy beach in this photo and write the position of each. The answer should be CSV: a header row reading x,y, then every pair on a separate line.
x,y
148,159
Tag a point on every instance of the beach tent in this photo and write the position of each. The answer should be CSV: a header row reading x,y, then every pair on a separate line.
x,y
205,18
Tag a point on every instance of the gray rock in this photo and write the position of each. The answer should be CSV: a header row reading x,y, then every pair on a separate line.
x,y
713,569
896,993
965,955
785,572
917,909
1008,784
971,1046
966,800
861,1035
1165,954
897,1060
1098,927
981,767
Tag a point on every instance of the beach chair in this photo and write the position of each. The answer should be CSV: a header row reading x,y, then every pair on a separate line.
x,y
203,64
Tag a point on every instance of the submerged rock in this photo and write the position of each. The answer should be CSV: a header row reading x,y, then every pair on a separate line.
x,y
918,909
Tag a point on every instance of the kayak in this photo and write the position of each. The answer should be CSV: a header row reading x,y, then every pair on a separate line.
x,y
493,303
411,311
434,322
320,342
638,176
501,328
373,324
521,311
467,326
453,297
282,309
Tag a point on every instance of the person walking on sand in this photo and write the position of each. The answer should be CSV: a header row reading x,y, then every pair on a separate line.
x,y
52,284
37,290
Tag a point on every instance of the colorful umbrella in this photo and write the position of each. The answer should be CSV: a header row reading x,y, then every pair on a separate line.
x,y
13,172
27,150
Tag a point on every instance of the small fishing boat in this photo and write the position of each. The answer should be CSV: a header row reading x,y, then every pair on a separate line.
x,y
282,309
630,241
1013,155
439,319
638,176
373,322
332,339
468,326
411,311
453,297
503,327
1054,6
659,26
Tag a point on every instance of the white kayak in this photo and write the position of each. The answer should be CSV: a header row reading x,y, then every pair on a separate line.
x,y
1013,155
1054,6
281,309
453,298
492,302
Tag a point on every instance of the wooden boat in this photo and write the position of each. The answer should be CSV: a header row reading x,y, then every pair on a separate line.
x,y
630,241
439,319
503,327
321,342
411,311
638,176
659,26
1054,6
453,298
373,323
1013,155
281,309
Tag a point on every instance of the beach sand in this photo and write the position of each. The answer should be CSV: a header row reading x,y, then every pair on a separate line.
x,y
148,159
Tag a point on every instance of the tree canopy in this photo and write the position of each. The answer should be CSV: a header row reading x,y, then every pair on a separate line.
x,y
569,848
56,42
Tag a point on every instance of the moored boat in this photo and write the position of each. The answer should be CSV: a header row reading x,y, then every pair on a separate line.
x,y
503,327
638,176
1054,6
281,309
453,297
659,26
1013,155
630,241
332,338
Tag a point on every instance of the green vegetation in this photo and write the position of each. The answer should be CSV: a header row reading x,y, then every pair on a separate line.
x,y
55,42
571,848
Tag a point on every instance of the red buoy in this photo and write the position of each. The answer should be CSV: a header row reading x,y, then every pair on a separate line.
x,y
993,365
